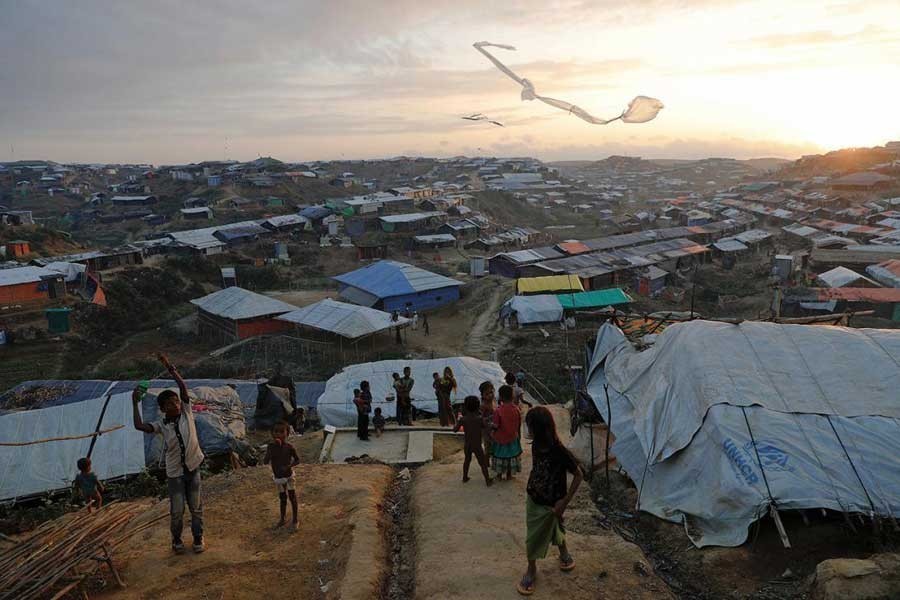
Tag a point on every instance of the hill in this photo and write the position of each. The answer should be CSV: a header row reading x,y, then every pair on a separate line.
x,y
839,162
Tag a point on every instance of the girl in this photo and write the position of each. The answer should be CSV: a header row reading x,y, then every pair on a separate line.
x,y
547,497
486,389
363,407
472,424
443,387
506,448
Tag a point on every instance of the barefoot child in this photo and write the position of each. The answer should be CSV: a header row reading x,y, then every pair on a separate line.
x,y
486,389
547,496
507,447
87,484
472,424
378,422
183,455
283,457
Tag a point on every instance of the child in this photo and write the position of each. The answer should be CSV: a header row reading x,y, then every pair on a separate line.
x,y
88,485
518,391
284,458
183,455
378,422
547,496
507,448
298,421
486,389
472,425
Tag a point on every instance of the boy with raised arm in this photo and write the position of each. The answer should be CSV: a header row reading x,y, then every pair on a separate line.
x,y
183,456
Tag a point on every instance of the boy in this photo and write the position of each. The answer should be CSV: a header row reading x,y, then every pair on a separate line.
x,y
284,458
471,423
88,485
378,422
183,456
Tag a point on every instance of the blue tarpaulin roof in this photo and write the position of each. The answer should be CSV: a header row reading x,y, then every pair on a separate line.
x,y
388,278
314,213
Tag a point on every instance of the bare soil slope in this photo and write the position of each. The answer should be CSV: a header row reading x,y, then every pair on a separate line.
x,y
339,543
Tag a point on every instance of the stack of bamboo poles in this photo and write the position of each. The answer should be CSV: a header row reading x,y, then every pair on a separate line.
x,y
61,554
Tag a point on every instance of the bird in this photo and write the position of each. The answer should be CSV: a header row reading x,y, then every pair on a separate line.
x,y
481,117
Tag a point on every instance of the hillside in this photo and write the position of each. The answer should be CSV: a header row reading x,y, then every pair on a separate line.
x,y
839,162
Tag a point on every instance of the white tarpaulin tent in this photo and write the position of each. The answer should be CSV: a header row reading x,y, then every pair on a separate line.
x,y
336,403
39,468
543,308
717,422
346,320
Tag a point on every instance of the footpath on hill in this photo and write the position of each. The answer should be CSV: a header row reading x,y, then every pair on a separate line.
x,y
470,540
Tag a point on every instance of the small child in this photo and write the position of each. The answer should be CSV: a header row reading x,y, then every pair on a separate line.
x,y
507,447
298,421
284,458
378,422
88,485
472,425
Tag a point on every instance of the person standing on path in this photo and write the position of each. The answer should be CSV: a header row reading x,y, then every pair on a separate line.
x,y
547,495
363,403
472,424
486,389
404,397
425,325
182,452
415,320
507,447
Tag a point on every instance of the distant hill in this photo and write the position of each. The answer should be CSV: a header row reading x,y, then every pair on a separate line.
x,y
636,163
839,162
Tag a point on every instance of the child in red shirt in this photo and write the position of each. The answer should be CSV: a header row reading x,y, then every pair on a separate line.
x,y
507,448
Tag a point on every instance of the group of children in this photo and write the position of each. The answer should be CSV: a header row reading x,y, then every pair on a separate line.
x,y
493,436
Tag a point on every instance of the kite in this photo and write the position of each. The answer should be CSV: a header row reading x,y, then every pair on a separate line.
x,y
481,117
640,110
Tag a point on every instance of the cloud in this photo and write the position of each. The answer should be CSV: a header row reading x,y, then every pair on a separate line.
x,y
871,34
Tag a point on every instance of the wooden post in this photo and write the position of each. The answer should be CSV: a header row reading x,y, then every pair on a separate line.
x,y
780,526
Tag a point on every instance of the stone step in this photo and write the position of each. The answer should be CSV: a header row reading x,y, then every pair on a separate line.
x,y
420,447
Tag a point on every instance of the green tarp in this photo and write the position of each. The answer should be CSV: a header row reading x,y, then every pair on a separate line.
x,y
593,299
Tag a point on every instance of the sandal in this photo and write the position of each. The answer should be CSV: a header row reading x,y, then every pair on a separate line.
x,y
526,586
566,563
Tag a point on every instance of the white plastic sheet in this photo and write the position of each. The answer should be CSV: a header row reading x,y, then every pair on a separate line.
x,y
640,110
39,468
336,403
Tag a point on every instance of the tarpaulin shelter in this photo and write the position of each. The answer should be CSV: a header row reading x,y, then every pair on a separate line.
x,y
542,308
391,285
345,320
26,471
593,299
718,423
336,403
549,284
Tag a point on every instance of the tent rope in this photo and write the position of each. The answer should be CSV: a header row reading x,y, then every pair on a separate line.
x,y
758,459
852,465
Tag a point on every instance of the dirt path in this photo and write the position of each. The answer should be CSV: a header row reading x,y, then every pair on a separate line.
x,y
471,542
485,333
339,543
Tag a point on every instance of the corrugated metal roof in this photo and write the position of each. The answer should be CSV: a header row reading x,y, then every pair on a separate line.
x,y
411,217
874,295
887,272
237,303
347,320
388,278
435,239
573,248
840,277
286,220
22,275
358,296
729,245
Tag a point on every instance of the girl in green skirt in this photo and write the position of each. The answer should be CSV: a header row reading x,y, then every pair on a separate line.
x,y
548,495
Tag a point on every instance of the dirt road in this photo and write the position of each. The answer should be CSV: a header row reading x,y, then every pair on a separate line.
x,y
340,525
471,542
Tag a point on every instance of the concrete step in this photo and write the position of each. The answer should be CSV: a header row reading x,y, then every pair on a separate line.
x,y
420,447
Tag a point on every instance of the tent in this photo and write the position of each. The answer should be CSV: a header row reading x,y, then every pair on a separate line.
x,y
594,299
336,403
717,423
346,320
543,308
26,471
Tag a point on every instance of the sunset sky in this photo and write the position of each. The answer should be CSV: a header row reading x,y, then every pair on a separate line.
x,y
169,82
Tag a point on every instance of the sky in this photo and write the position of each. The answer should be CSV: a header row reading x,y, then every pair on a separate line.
x,y
164,81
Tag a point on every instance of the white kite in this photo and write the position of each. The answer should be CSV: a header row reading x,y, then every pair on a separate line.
x,y
640,110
